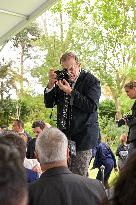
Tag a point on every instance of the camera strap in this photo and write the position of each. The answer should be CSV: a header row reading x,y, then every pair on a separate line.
x,y
55,90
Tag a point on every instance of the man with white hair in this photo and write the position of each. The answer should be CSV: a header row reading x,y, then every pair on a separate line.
x,y
57,184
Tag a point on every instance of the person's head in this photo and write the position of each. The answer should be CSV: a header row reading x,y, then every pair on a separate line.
x,y
130,89
123,138
70,61
18,125
125,186
52,147
13,185
14,140
38,126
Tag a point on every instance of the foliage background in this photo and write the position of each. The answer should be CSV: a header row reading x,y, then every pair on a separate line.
x,y
101,33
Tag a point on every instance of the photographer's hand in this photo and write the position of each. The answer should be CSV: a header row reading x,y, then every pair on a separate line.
x,y
52,78
65,86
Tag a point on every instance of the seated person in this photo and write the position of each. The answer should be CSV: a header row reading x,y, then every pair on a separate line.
x,y
13,185
38,127
14,140
18,126
32,164
57,184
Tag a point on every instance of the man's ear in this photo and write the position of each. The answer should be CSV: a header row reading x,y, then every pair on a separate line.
x,y
68,151
79,66
135,91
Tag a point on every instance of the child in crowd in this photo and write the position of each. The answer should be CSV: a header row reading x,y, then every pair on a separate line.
x,y
122,151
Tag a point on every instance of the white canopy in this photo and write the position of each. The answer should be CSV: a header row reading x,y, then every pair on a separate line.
x,y
16,14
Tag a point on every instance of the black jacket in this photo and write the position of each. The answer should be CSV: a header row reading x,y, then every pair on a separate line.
x,y
132,125
59,186
85,96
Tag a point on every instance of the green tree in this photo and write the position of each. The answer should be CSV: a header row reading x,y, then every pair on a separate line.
x,y
7,80
24,41
102,34
107,108
107,45
7,111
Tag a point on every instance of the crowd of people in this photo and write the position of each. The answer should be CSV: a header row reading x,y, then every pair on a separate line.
x,y
52,167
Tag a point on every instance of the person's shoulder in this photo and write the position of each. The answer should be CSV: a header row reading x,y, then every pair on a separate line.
x,y
84,179
96,183
89,75
91,183
39,186
90,79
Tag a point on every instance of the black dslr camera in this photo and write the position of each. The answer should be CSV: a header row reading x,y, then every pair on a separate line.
x,y
123,120
62,74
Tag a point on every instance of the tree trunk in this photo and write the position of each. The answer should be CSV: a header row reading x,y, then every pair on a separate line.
x,y
2,89
118,109
22,70
62,32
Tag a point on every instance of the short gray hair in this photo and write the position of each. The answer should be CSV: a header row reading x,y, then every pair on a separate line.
x,y
51,146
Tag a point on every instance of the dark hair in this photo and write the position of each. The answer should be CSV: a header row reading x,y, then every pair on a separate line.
x,y
38,123
13,186
68,54
20,123
14,140
125,186
130,85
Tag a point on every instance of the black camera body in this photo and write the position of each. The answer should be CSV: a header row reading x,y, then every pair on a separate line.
x,y
123,120
62,74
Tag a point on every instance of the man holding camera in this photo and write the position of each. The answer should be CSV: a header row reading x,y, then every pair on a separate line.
x,y
77,100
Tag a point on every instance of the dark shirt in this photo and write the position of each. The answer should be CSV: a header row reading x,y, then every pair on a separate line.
x,y
30,149
59,186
